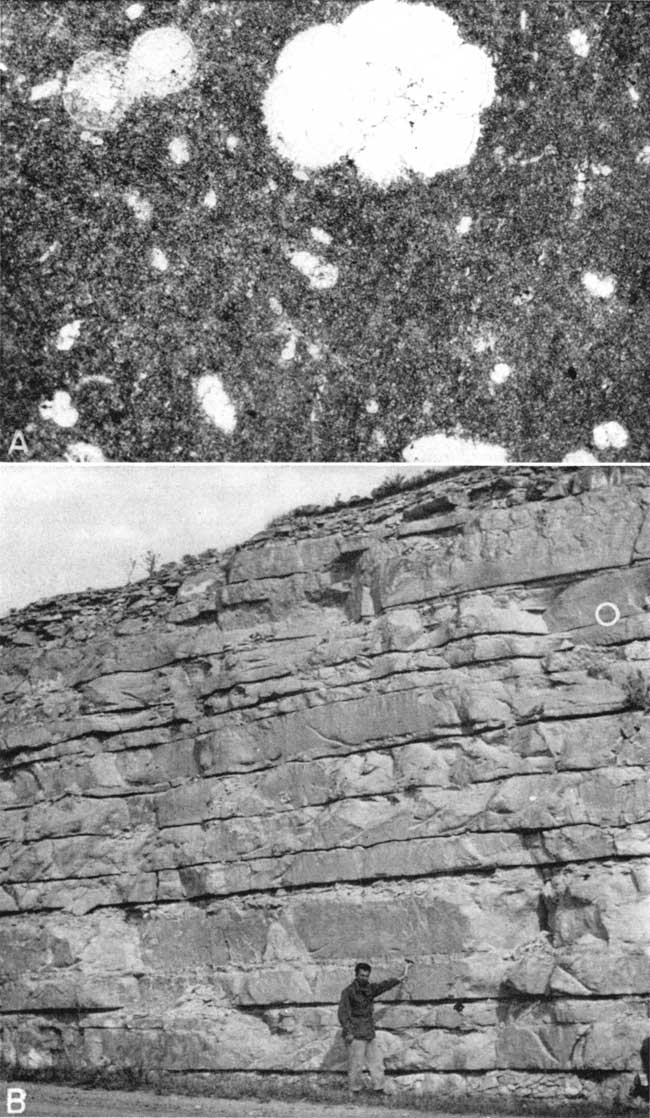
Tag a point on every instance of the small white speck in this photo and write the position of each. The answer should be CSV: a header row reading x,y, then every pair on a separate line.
x,y
464,225
611,435
139,206
579,188
320,236
601,287
483,343
83,452
68,335
59,410
643,158
158,260
500,373
54,247
179,150
379,438
91,138
523,298
289,351
275,305
95,378
299,174
601,169
449,450
579,457
320,275
210,200
523,20
579,43
232,143
531,160
372,407
216,403
314,351
46,89
134,11
633,95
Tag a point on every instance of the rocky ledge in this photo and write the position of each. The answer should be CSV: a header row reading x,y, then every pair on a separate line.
x,y
413,725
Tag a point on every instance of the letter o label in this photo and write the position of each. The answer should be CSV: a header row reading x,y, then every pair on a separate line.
x,y
608,606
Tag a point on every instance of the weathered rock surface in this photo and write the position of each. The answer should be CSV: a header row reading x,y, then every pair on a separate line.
x,y
395,728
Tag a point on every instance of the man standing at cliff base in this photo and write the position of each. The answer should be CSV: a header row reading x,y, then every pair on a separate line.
x,y
356,1018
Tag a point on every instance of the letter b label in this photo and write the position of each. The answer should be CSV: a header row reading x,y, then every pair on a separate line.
x,y
16,1100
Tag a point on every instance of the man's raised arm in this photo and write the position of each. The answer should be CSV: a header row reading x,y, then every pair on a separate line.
x,y
378,988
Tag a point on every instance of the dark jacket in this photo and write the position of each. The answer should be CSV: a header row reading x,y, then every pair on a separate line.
x,y
355,1007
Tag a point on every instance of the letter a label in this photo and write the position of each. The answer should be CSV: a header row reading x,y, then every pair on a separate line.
x,y
18,443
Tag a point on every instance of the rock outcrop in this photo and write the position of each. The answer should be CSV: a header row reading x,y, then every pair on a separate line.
x,y
414,725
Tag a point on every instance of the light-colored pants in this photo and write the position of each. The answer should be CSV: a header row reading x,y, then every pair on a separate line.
x,y
365,1054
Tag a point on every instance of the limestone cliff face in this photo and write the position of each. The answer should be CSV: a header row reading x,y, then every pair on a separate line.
x,y
395,728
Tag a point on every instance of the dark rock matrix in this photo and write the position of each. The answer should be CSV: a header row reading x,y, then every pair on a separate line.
x,y
166,247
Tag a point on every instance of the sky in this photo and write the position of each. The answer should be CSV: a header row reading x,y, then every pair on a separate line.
x,y
64,528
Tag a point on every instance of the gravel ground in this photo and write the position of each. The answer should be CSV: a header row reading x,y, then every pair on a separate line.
x,y
405,342
45,1101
